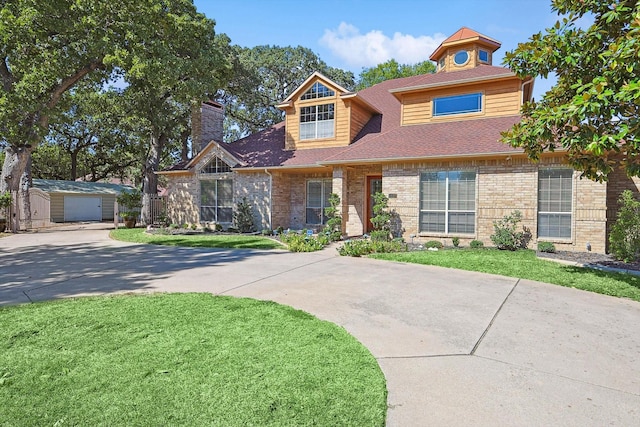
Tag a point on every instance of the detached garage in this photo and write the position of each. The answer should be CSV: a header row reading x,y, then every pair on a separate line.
x,y
79,200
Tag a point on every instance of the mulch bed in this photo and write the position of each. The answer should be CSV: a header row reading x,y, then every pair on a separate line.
x,y
589,258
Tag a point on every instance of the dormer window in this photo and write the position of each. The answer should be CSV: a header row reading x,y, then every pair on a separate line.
x,y
458,104
441,63
216,165
461,57
318,90
483,56
316,121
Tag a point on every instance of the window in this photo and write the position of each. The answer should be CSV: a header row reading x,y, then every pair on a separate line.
x,y
483,56
555,187
316,121
448,202
461,57
216,166
216,200
318,90
318,192
441,63
458,104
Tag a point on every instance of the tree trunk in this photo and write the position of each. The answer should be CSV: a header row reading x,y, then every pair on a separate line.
x,y
74,165
150,179
25,184
15,175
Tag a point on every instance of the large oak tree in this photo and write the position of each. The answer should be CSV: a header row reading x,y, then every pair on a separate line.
x,y
593,111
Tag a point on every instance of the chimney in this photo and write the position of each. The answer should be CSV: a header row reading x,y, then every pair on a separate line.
x,y
206,125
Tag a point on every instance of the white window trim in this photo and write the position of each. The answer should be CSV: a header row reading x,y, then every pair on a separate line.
x,y
316,121
446,209
216,206
322,182
570,213
449,115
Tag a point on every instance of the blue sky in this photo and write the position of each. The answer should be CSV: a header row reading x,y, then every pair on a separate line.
x,y
352,34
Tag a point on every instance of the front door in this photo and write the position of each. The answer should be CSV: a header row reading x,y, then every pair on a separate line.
x,y
374,185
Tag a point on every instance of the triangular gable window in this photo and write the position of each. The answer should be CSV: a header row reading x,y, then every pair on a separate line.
x,y
318,90
216,166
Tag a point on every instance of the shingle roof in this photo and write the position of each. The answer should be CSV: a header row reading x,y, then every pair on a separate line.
x,y
383,137
83,187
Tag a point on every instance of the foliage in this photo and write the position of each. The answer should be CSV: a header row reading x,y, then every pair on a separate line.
x,y
116,361
302,243
5,200
525,265
334,220
455,241
243,217
202,240
360,247
381,219
546,247
391,70
433,244
264,76
380,235
130,200
476,244
505,234
625,232
594,109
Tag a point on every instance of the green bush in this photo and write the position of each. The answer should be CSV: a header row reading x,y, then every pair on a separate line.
x,y
433,244
505,235
381,219
546,247
333,227
625,232
243,217
301,243
267,232
455,241
218,227
380,235
476,244
357,248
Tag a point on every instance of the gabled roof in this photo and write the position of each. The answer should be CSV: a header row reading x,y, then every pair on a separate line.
x,y
465,35
314,76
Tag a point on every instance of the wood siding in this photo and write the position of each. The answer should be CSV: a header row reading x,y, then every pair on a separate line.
x,y
501,98
358,119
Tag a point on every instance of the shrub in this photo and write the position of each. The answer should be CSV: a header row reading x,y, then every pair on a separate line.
x,y
380,236
546,247
334,221
301,243
505,235
455,241
218,227
357,248
625,232
476,244
381,217
174,226
243,217
267,232
185,225
433,244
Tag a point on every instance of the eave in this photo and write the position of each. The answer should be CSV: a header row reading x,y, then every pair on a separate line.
x,y
438,85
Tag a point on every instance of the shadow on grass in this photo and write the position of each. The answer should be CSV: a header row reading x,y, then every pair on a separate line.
x,y
245,242
602,276
101,269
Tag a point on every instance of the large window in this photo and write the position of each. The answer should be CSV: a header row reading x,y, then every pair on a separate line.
x,y
216,200
448,202
318,192
316,121
216,165
318,90
555,189
458,104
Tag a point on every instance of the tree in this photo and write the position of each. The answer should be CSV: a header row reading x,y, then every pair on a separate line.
x,y
391,70
263,77
593,111
48,47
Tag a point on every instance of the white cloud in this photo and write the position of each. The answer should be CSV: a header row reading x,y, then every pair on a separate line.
x,y
373,48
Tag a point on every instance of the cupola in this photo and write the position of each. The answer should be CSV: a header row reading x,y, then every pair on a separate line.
x,y
466,48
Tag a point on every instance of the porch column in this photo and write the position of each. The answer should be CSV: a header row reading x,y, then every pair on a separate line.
x,y
339,186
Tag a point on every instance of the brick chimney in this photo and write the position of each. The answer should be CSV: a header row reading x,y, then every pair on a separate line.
x,y
206,125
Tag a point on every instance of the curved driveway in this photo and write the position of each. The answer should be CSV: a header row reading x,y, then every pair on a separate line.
x,y
457,348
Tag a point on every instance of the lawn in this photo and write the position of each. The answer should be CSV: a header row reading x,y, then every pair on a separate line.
x,y
182,359
525,265
202,240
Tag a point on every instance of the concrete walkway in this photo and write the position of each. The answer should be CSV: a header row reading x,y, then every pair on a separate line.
x,y
456,347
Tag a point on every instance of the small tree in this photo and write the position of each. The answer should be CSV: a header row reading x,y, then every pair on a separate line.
x,y
131,202
381,218
505,235
625,232
243,217
334,220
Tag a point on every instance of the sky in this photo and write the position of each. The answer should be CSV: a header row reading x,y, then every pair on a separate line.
x,y
352,34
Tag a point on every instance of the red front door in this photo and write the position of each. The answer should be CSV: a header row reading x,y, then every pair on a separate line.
x,y
374,185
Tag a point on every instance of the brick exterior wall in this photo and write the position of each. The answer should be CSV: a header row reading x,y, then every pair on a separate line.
x,y
618,182
356,205
206,125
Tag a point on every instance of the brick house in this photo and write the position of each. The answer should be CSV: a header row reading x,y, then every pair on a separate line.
x,y
429,142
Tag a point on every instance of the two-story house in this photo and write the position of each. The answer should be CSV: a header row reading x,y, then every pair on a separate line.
x,y
431,143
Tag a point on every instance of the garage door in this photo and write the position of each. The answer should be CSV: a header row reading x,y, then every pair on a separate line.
x,y
82,208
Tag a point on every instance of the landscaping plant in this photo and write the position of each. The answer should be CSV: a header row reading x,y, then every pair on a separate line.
x,y
334,220
381,219
546,247
625,232
243,217
506,235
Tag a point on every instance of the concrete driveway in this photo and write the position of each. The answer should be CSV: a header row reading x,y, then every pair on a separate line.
x,y
456,347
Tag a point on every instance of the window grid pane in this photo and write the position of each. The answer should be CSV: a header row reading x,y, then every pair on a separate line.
x,y
216,200
458,104
555,190
317,121
318,193
318,90
447,202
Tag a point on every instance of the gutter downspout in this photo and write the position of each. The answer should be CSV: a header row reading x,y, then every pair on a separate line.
x,y
523,85
270,197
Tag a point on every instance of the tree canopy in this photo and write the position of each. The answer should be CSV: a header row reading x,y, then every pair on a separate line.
x,y
391,70
593,111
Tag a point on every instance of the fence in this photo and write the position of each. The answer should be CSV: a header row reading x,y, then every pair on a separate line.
x,y
155,215
40,203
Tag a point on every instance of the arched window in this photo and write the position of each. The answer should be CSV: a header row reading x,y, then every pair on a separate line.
x,y
216,165
318,90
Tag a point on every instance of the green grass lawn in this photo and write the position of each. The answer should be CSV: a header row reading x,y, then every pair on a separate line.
x,y
182,359
205,240
525,265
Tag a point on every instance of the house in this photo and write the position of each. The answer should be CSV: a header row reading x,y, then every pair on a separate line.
x,y
431,143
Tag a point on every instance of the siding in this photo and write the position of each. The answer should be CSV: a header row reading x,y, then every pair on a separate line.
x,y
500,99
359,118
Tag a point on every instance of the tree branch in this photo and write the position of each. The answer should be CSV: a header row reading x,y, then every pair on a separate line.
x,y
5,74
